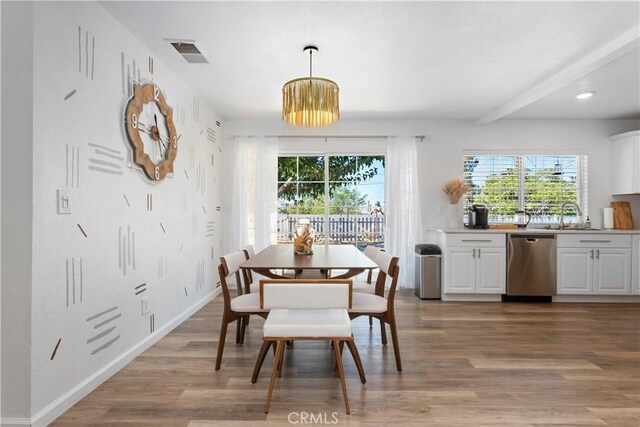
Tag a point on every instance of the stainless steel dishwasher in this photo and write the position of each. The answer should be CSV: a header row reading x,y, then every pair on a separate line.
x,y
531,265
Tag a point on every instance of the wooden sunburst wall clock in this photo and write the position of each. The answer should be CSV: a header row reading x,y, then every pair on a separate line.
x,y
151,131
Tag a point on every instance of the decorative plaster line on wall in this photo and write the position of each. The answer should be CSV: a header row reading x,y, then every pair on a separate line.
x,y
70,398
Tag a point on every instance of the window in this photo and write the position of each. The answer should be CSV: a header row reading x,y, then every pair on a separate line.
x,y
343,196
538,184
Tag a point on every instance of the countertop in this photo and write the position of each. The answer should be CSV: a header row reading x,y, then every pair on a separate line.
x,y
533,230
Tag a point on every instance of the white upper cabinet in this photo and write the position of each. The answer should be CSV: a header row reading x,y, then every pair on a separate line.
x,y
626,163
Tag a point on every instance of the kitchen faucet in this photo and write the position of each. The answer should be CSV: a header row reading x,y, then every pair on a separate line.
x,y
574,204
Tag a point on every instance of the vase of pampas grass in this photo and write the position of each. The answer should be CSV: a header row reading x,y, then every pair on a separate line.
x,y
455,189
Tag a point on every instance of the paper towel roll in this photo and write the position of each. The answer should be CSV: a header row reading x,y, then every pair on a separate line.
x,y
608,219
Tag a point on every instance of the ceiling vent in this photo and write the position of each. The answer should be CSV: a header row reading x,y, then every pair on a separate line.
x,y
189,51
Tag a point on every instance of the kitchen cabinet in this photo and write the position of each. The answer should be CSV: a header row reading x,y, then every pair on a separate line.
x,y
491,271
635,264
612,272
575,271
590,265
475,264
626,163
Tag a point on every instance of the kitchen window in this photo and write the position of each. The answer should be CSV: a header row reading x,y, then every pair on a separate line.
x,y
538,184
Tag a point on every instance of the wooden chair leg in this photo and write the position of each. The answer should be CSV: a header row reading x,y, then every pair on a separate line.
x,y
383,332
223,336
343,383
396,345
261,356
356,358
335,365
238,328
280,362
244,323
274,373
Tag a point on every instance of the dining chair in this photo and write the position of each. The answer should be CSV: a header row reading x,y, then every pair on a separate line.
x,y
377,305
306,310
251,279
239,308
367,286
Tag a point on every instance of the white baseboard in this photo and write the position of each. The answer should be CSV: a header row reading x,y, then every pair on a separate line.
x,y
70,398
472,297
620,299
11,422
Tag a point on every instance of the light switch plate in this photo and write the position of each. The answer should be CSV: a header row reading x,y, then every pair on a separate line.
x,y
64,201
144,305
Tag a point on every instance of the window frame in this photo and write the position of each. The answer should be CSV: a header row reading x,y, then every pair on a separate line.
x,y
582,190
337,151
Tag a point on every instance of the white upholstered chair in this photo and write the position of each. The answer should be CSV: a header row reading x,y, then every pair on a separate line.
x,y
306,310
368,286
251,279
377,305
239,308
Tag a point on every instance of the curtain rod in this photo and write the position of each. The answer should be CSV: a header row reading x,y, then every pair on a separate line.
x,y
420,137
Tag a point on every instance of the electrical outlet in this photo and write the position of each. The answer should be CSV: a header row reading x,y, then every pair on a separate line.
x,y
64,201
144,305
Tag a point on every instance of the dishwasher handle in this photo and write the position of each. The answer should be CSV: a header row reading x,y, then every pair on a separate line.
x,y
528,237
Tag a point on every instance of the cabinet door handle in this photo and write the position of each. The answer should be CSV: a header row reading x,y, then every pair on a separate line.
x,y
474,252
595,241
598,253
477,240
478,252
591,253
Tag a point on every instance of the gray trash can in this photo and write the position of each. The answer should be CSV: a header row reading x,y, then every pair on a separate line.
x,y
428,271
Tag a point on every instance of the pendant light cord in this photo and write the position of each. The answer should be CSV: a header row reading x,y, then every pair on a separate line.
x,y
310,63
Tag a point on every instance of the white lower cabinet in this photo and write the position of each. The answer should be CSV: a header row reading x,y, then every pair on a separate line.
x,y
635,264
478,270
612,272
461,271
575,271
491,271
594,271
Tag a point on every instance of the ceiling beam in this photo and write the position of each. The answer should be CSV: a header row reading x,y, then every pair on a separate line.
x,y
611,51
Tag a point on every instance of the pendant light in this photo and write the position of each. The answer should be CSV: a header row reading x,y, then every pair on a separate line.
x,y
310,101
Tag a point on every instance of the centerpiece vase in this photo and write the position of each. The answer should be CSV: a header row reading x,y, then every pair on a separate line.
x,y
304,238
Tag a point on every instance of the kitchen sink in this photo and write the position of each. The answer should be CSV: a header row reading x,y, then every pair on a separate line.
x,y
572,228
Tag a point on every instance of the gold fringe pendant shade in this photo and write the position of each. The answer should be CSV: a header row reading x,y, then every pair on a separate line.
x,y
310,101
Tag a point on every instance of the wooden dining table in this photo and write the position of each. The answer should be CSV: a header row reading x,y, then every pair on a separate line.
x,y
324,259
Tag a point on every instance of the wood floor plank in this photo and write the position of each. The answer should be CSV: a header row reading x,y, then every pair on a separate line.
x,y
465,364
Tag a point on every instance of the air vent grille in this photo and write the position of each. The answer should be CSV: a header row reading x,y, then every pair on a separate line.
x,y
189,51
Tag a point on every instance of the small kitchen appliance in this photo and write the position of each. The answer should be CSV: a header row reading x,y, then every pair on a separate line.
x,y
522,219
478,216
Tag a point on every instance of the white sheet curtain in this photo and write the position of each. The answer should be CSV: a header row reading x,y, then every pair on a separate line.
x,y
402,205
253,192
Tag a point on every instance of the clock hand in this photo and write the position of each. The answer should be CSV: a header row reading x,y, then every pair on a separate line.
x,y
155,119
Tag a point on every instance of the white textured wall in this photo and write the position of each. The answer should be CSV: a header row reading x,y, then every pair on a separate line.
x,y
440,157
84,55
17,169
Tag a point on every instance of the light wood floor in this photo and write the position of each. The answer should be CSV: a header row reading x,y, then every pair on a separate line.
x,y
465,364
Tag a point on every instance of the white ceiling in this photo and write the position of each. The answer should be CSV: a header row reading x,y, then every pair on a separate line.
x,y
397,60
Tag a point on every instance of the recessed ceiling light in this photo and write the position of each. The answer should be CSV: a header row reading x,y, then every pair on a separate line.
x,y
584,95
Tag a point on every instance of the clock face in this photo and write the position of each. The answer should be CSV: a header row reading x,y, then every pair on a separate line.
x,y
151,131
